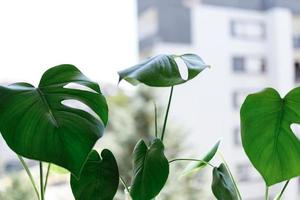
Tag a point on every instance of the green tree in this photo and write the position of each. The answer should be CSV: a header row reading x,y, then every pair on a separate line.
x,y
18,189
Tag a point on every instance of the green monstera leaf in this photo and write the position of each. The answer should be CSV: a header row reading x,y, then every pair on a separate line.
x,y
267,137
163,71
99,179
197,166
222,184
36,124
151,170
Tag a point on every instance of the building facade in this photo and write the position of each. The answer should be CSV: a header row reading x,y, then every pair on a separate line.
x,y
249,44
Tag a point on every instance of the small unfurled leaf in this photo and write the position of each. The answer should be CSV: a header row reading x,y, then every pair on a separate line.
x,y
197,166
222,185
163,71
150,170
99,179
267,135
36,124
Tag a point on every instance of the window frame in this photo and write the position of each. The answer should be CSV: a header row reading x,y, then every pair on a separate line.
x,y
234,34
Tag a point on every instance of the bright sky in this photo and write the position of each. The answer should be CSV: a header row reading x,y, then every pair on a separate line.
x,y
97,36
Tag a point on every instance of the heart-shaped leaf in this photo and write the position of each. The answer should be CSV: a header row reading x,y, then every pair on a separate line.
x,y
99,179
163,71
35,123
267,138
197,166
222,184
151,170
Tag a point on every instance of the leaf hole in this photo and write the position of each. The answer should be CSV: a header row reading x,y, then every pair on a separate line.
x,y
72,103
182,67
296,130
79,87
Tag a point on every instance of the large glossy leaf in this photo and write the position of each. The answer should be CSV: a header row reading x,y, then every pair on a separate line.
x,y
151,170
267,138
36,124
197,166
222,185
162,70
99,179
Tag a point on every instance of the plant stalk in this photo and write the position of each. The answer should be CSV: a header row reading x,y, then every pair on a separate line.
x,y
167,114
267,193
125,185
191,159
155,119
30,176
283,189
47,176
41,181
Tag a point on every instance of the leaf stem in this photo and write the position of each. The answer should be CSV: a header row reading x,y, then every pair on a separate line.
x,y
167,113
124,184
47,176
29,175
283,189
41,181
231,176
155,119
267,193
191,159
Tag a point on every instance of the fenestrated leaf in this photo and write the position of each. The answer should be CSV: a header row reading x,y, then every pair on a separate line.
x,y
197,166
35,124
162,70
222,185
151,170
267,138
99,179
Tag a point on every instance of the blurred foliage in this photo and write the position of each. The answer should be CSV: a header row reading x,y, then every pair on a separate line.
x,y
18,189
132,118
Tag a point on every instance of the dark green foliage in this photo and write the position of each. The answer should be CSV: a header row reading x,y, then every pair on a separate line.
x,y
222,185
162,70
150,170
267,138
36,125
99,178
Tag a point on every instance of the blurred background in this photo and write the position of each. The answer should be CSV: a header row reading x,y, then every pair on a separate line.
x,y
249,44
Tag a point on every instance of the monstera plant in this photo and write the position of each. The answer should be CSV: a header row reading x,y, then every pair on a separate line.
x,y
39,123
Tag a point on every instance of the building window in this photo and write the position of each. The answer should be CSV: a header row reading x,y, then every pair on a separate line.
x,y
239,96
248,29
238,99
250,64
297,71
296,41
237,137
238,64
245,173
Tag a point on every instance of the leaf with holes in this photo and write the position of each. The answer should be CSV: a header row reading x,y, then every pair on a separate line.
x,y
222,184
197,166
99,179
267,138
163,71
35,123
150,168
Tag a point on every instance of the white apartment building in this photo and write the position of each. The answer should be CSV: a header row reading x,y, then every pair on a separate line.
x,y
249,44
